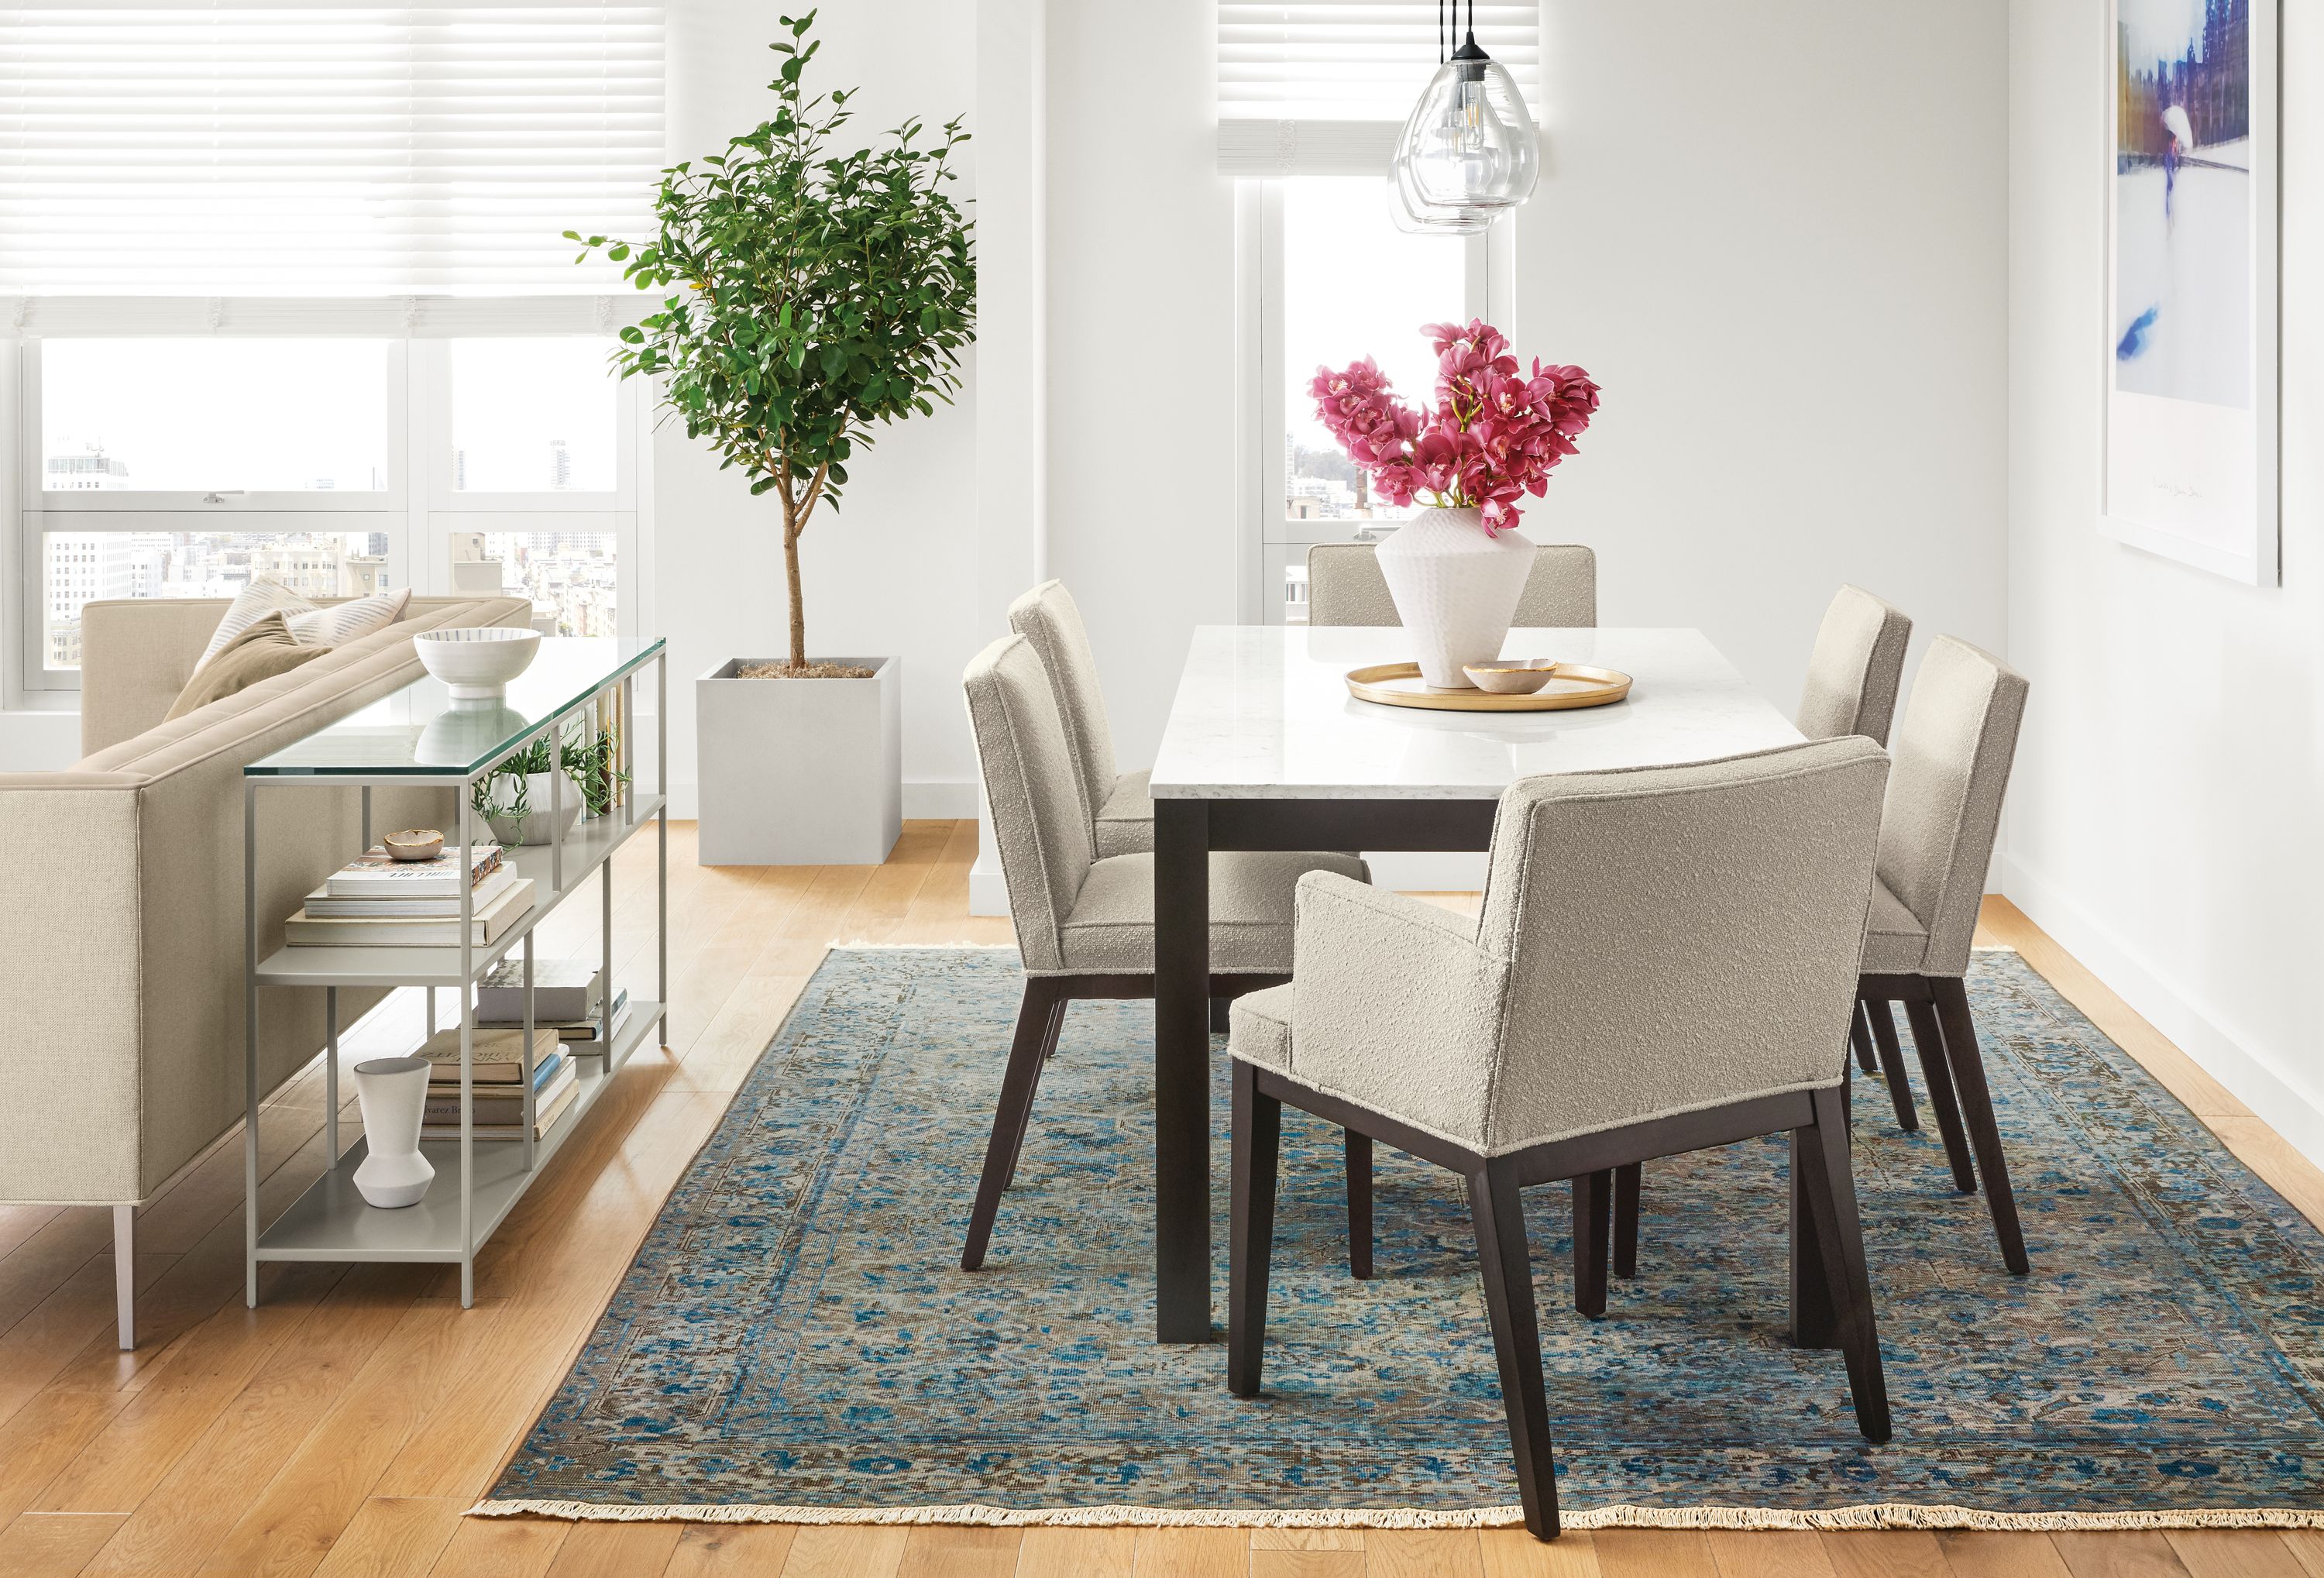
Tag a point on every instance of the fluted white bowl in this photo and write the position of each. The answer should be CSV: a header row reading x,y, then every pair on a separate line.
x,y
478,662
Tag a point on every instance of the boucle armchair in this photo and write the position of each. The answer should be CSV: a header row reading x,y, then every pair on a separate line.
x,y
1085,922
1666,961
1346,586
1120,811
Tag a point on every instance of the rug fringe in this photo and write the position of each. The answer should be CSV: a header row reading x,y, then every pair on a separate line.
x,y
1876,1515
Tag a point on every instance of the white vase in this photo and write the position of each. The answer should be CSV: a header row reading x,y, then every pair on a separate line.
x,y
1456,589
392,1093
536,824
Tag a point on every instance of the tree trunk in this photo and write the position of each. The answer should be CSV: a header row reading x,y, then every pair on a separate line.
x,y
798,606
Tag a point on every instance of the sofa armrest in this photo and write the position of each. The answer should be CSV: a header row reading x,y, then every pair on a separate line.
x,y
136,655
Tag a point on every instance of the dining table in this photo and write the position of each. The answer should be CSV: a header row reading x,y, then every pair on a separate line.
x,y
1266,749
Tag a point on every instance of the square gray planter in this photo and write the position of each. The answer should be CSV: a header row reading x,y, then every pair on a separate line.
x,y
797,772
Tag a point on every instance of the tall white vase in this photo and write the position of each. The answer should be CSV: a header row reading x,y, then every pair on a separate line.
x,y
1456,589
392,1093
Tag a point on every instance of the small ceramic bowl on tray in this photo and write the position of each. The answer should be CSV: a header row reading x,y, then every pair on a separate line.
x,y
476,662
1517,677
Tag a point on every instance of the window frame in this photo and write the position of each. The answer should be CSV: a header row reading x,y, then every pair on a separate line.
x,y
417,512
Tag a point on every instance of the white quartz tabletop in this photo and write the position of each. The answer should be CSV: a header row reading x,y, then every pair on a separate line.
x,y
1263,712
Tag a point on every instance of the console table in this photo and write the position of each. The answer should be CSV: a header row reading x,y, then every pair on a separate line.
x,y
421,736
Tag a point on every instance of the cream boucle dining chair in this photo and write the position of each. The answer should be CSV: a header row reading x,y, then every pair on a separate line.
x,y
1084,921
1120,811
1666,961
1346,586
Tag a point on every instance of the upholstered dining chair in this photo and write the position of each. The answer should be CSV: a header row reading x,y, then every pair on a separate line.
x,y
1346,586
1085,922
1666,962
1121,812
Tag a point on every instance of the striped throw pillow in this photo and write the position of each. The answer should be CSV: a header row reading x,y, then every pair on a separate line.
x,y
342,623
255,602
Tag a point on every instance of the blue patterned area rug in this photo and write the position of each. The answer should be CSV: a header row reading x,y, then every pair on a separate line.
x,y
796,1342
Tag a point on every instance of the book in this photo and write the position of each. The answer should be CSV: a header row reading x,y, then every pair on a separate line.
x,y
503,1108
569,1030
321,906
374,874
304,930
494,1058
545,1117
445,1077
564,992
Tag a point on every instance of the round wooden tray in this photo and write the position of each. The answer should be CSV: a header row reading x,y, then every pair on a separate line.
x,y
1573,685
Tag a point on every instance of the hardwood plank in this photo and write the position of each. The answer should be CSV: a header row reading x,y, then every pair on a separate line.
x,y
1327,1563
2235,1553
41,1438
1076,1553
616,1550
1422,1553
53,1545
1787,1553
1512,1553
2146,1554
1654,1553
726,1550
393,1538
939,1552
815,925
1991,1554
845,1551
2273,1157
19,1222
1190,1553
501,1548
1307,1539
2307,1545
1888,1552
723,1054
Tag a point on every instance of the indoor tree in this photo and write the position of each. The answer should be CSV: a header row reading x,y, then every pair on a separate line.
x,y
812,293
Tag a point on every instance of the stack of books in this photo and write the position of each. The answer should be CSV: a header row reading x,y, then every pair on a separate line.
x,y
568,995
496,1072
378,902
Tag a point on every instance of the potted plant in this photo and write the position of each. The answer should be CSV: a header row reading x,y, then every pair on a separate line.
x,y
1494,435
811,295
514,798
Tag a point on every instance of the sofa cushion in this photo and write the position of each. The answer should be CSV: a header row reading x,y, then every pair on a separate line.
x,y
261,651
251,605
338,624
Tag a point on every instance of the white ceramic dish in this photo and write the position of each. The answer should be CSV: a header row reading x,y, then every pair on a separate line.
x,y
1521,676
477,663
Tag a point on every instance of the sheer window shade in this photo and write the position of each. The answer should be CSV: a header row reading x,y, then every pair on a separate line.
x,y
291,150
1322,87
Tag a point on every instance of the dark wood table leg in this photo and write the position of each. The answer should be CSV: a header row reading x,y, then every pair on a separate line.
x,y
1181,1071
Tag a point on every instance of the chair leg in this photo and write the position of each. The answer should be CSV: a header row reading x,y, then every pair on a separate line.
x,y
1628,1184
1221,1008
1038,1013
1859,1036
1892,1061
1593,1207
1257,1139
1359,1149
1928,1041
1025,1119
1820,1154
1508,1272
124,1275
1959,1033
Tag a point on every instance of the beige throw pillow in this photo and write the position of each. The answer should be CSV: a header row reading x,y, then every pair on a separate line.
x,y
252,604
260,650
342,623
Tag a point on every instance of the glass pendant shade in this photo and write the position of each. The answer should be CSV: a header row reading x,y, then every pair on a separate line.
x,y
1414,218
1469,142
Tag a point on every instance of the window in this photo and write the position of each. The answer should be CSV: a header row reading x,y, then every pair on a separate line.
x,y
191,466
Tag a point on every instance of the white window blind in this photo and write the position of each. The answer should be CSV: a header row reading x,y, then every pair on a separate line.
x,y
186,148
1322,87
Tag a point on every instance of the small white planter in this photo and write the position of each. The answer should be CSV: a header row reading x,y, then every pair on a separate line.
x,y
536,824
1455,589
392,1093
799,771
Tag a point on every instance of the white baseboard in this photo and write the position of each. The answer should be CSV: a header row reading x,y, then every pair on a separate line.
x,y
943,799
2292,1112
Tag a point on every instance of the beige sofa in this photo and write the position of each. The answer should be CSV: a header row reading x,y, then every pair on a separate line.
x,y
121,902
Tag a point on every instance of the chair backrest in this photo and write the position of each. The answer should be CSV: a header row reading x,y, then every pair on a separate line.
x,y
1048,618
1038,818
1854,671
1678,937
1346,586
1953,750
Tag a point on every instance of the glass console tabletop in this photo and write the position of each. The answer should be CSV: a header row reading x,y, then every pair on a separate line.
x,y
420,731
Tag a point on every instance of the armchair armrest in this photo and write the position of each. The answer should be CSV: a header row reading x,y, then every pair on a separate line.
x,y
1396,1006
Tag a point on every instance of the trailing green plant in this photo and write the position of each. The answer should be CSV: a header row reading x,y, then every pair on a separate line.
x,y
589,760
817,294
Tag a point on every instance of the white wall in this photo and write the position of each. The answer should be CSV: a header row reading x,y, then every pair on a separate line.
x,y
2164,820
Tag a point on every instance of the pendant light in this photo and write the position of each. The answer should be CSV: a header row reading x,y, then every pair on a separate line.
x,y
1469,148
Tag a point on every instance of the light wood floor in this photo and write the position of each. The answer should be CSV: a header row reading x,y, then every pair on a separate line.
x,y
343,1426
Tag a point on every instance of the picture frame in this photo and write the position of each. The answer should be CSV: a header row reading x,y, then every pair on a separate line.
x,y
2189,351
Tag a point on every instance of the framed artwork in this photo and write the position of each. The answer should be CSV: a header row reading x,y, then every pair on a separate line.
x,y
2192,206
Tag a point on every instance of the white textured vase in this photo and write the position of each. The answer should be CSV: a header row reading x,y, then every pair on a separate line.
x,y
392,1093
1456,589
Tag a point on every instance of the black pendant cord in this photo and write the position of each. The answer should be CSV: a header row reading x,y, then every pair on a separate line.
x,y
1440,31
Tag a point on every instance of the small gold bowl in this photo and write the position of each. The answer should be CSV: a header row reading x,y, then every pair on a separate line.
x,y
414,843
1521,677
